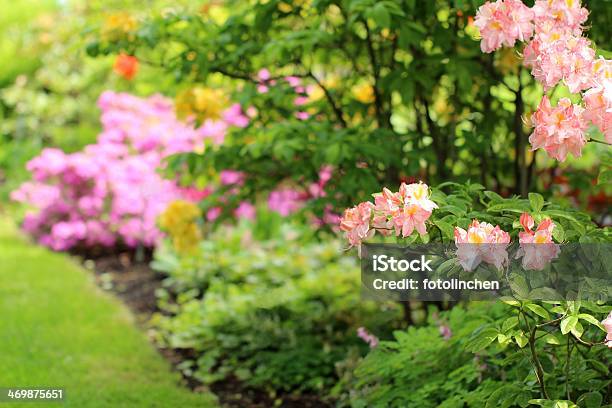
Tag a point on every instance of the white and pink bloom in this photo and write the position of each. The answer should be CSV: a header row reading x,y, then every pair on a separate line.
x,y
559,130
536,246
356,223
482,242
607,324
402,212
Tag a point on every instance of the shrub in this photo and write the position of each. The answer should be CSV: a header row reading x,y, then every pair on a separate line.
x,y
277,314
111,193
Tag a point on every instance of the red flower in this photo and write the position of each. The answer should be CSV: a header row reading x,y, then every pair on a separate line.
x,y
126,66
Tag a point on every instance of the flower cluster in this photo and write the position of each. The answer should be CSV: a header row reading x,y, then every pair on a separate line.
x,y
492,243
555,51
536,246
180,221
402,212
559,130
111,193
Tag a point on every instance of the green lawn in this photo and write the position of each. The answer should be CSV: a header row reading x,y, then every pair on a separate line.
x,y
57,329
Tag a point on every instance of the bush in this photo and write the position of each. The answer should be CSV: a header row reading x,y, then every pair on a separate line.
x,y
111,193
276,314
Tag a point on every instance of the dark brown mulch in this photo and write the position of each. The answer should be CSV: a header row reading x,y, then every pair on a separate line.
x,y
135,283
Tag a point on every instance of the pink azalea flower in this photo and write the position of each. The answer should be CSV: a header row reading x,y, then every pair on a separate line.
x,y
367,337
607,324
285,201
482,242
293,81
263,74
561,15
502,23
356,223
213,214
302,115
231,177
245,210
300,100
598,100
560,130
536,246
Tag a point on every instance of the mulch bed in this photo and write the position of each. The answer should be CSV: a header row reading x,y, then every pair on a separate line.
x,y
135,283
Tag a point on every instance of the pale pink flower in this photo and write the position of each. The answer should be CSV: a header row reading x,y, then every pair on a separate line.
x,y
285,201
302,115
607,324
231,177
368,337
409,218
245,210
560,130
445,332
293,81
213,213
502,23
356,223
562,15
300,100
482,242
263,74
536,246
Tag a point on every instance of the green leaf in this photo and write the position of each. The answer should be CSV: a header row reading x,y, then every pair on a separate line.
x,y
509,323
521,340
591,319
590,400
536,201
568,324
380,15
539,310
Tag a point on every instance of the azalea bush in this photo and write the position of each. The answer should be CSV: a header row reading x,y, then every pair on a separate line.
x,y
111,192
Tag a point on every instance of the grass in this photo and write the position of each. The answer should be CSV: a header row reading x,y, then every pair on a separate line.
x,y
57,329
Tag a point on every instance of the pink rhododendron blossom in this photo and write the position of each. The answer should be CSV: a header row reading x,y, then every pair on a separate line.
x,y
356,223
402,212
111,192
302,115
285,201
229,177
263,74
536,246
598,100
234,116
293,81
559,130
502,23
213,214
560,15
245,210
367,337
482,242
607,324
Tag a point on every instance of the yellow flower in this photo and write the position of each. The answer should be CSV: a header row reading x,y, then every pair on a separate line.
x,y
200,102
179,220
118,26
364,93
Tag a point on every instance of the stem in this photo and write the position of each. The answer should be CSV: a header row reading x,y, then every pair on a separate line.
x,y
538,364
330,99
567,366
600,141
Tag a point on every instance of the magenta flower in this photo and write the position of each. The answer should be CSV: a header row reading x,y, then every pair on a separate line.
x,y
367,337
245,210
231,177
285,201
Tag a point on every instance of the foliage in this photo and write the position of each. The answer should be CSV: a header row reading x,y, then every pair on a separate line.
x,y
383,91
486,361
302,295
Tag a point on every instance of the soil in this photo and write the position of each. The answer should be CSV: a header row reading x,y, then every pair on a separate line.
x,y
135,283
